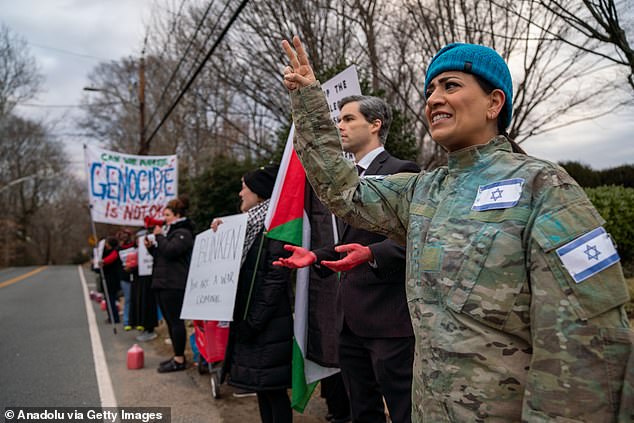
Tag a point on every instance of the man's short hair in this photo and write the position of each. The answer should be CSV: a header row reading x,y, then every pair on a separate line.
x,y
372,108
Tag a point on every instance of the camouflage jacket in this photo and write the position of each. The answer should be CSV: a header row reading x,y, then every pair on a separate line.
x,y
503,331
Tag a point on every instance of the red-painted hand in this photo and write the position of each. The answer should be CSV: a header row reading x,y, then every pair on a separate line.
x,y
301,258
356,254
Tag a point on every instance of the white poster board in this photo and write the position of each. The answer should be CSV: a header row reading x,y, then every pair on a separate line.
x,y
144,258
212,280
123,254
98,253
344,84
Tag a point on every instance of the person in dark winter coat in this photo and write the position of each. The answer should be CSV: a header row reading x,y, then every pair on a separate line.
x,y
260,344
171,248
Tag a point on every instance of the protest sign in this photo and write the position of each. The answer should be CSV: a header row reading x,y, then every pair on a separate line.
x,y
212,280
124,188
123,254
344,84
145,259
97,253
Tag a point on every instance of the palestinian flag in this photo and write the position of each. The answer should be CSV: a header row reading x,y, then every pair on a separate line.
x,y
286,221
286,210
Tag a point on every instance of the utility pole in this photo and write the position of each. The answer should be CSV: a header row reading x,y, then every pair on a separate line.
x,y
143,147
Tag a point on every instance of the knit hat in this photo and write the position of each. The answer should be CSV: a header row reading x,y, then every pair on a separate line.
x,y
262,180
477,60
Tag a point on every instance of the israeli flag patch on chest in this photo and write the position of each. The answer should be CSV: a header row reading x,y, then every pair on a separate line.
x,y
588,255
498,195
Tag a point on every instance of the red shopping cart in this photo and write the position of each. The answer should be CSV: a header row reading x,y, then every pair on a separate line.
x,y
211,339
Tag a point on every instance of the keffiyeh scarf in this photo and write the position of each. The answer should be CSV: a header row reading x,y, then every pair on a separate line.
x,y
255,221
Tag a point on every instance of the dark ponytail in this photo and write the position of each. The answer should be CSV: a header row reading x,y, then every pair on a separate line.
x,y
515,146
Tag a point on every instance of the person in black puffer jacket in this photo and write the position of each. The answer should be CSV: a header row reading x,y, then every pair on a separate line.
x,y
259,351
171,248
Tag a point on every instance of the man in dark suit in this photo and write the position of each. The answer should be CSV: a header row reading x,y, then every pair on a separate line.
x,y
376,341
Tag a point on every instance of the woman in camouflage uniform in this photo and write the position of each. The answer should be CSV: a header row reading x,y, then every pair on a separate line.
x,y
514,288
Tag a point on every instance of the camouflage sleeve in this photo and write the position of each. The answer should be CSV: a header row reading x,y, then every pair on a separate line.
x,y
582,366
379,203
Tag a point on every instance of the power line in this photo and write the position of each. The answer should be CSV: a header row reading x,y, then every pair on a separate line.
x,y
74,134
180,62
211,33
169,36
200,51
198,70
72,53
62,106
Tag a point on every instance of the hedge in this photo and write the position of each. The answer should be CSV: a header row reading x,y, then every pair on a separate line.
x,y
616,206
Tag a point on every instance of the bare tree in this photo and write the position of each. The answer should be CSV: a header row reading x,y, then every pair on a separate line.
x,y
236,105
112,109
61,234
19,76
229,109
205,122
554,85
254,44
32,167
602,21
32,164
112,105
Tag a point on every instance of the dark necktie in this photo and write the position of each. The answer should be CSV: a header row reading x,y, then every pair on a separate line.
x,y
360,170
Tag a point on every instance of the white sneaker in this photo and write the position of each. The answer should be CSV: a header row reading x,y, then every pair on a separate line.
x,y
242,393
146,336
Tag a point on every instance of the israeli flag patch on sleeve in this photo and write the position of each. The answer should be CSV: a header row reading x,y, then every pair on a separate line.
x,y
588,255
498,195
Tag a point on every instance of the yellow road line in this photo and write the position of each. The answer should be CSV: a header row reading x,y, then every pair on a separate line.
x,y
19,278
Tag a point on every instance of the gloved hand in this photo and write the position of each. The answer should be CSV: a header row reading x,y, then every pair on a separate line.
x,y
301,258
356,254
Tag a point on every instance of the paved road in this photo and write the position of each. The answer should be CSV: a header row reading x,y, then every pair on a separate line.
x,y
44,338
47,357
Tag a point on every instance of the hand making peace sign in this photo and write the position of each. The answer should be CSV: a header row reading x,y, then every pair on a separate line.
x,y
299,74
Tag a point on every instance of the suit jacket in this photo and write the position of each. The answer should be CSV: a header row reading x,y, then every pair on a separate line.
x,y
371,300
322,344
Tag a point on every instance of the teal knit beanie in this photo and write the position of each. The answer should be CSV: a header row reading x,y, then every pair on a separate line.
x,y
477,60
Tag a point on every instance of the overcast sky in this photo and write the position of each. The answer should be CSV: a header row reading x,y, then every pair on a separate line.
x,y
68,38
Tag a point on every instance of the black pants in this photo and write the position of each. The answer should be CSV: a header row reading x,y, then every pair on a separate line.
x,y
373,368
334,392
171,302
275,407
147,303
134,316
